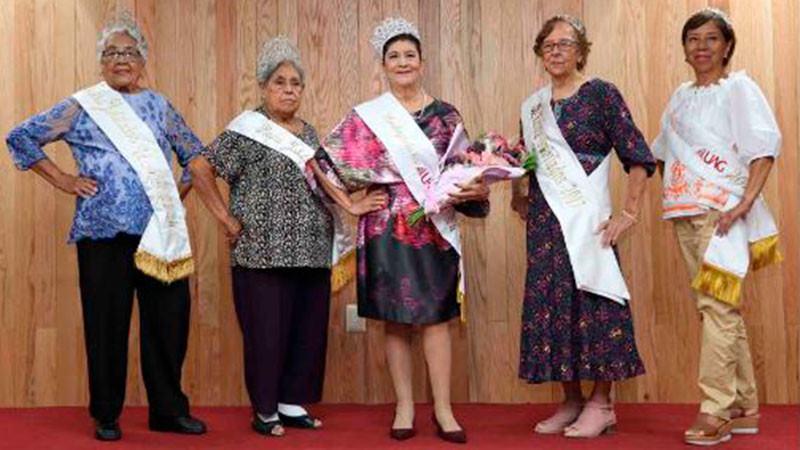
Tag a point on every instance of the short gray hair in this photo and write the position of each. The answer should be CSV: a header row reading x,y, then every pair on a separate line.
x,y
125,24
274,53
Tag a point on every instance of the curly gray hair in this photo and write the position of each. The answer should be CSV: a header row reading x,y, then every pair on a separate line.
x,y
124,24
275,52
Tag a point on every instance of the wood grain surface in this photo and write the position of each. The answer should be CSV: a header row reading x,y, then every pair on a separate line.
x,y
478,56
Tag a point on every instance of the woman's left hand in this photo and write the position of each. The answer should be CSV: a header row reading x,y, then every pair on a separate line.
x,y
613,228
725,220
474,190
373,201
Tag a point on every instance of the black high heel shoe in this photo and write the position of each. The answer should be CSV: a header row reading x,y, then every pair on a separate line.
x,y
456,437
401,434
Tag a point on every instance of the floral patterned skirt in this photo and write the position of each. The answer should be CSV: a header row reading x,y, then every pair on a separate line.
x,y
568,334
406,274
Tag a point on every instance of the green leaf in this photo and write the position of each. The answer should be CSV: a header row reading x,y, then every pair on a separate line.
x,y
530,162
416,216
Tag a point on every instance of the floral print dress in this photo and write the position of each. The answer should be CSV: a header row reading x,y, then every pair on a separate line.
x,y
406,274
569,334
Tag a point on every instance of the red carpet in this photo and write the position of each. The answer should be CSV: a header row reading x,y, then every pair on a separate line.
x,y
641,426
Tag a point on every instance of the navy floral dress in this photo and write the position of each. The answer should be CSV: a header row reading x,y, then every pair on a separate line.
x,y
569,334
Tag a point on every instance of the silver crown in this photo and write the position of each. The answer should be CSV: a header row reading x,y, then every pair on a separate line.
x,y
122,18
574,21
718,13
389,28
273,53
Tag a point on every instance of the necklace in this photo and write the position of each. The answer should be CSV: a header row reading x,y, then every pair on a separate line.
x,y
423,106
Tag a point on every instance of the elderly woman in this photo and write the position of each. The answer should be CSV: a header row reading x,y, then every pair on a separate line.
x,y
129,227
576,321
717,144
407,275
282,235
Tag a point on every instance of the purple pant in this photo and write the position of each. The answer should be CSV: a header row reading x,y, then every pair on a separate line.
x,y
283,315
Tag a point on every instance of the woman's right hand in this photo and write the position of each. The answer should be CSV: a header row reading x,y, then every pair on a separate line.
x,y
233,229
80,186
373,201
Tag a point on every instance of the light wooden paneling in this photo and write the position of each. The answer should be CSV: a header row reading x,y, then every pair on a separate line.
x,y
477,56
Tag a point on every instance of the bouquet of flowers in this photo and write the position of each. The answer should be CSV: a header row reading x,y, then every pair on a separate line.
x,y
489,156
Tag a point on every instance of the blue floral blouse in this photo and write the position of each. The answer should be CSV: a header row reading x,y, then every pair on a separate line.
x,y
121,205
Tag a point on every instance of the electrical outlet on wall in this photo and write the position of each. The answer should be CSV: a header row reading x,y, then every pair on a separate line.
x,y
353,322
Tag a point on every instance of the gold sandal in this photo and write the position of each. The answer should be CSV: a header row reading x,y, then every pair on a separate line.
x,y
708,430
743,423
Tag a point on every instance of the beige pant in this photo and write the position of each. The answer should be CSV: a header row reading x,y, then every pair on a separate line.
x,y
726,369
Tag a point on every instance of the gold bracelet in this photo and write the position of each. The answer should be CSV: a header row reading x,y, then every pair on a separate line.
x,y
630,216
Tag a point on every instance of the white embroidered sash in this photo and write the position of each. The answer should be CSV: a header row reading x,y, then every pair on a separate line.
x,y
580,202
719,164
164,251
261,129
415,158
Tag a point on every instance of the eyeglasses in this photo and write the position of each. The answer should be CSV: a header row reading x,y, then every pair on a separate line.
x,y
124,55
563,46
280,85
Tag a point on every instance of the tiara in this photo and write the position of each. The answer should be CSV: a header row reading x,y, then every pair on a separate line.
x,y
389,28
279,49
574,21
718,13
273,53
123,18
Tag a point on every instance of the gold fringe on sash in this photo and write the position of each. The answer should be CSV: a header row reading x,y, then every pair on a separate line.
x,y
717,283
727,287
163,270
765,252
343,272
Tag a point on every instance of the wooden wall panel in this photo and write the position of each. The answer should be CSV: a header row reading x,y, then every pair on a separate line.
x,y
478,56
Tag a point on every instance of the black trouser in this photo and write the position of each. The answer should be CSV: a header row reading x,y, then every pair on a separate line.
x,y
108,280
283,314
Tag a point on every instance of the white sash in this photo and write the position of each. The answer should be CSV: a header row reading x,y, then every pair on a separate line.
x,y
580,202
261,129
416,160
164,251
719,164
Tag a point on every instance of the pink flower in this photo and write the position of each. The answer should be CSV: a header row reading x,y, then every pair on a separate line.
x,y
489,156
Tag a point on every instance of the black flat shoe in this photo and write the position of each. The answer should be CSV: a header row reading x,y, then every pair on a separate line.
x,y
456,437
108,431
177,424
266,428
304,421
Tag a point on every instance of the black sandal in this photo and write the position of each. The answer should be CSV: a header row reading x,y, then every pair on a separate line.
x,y
266,428
305,421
